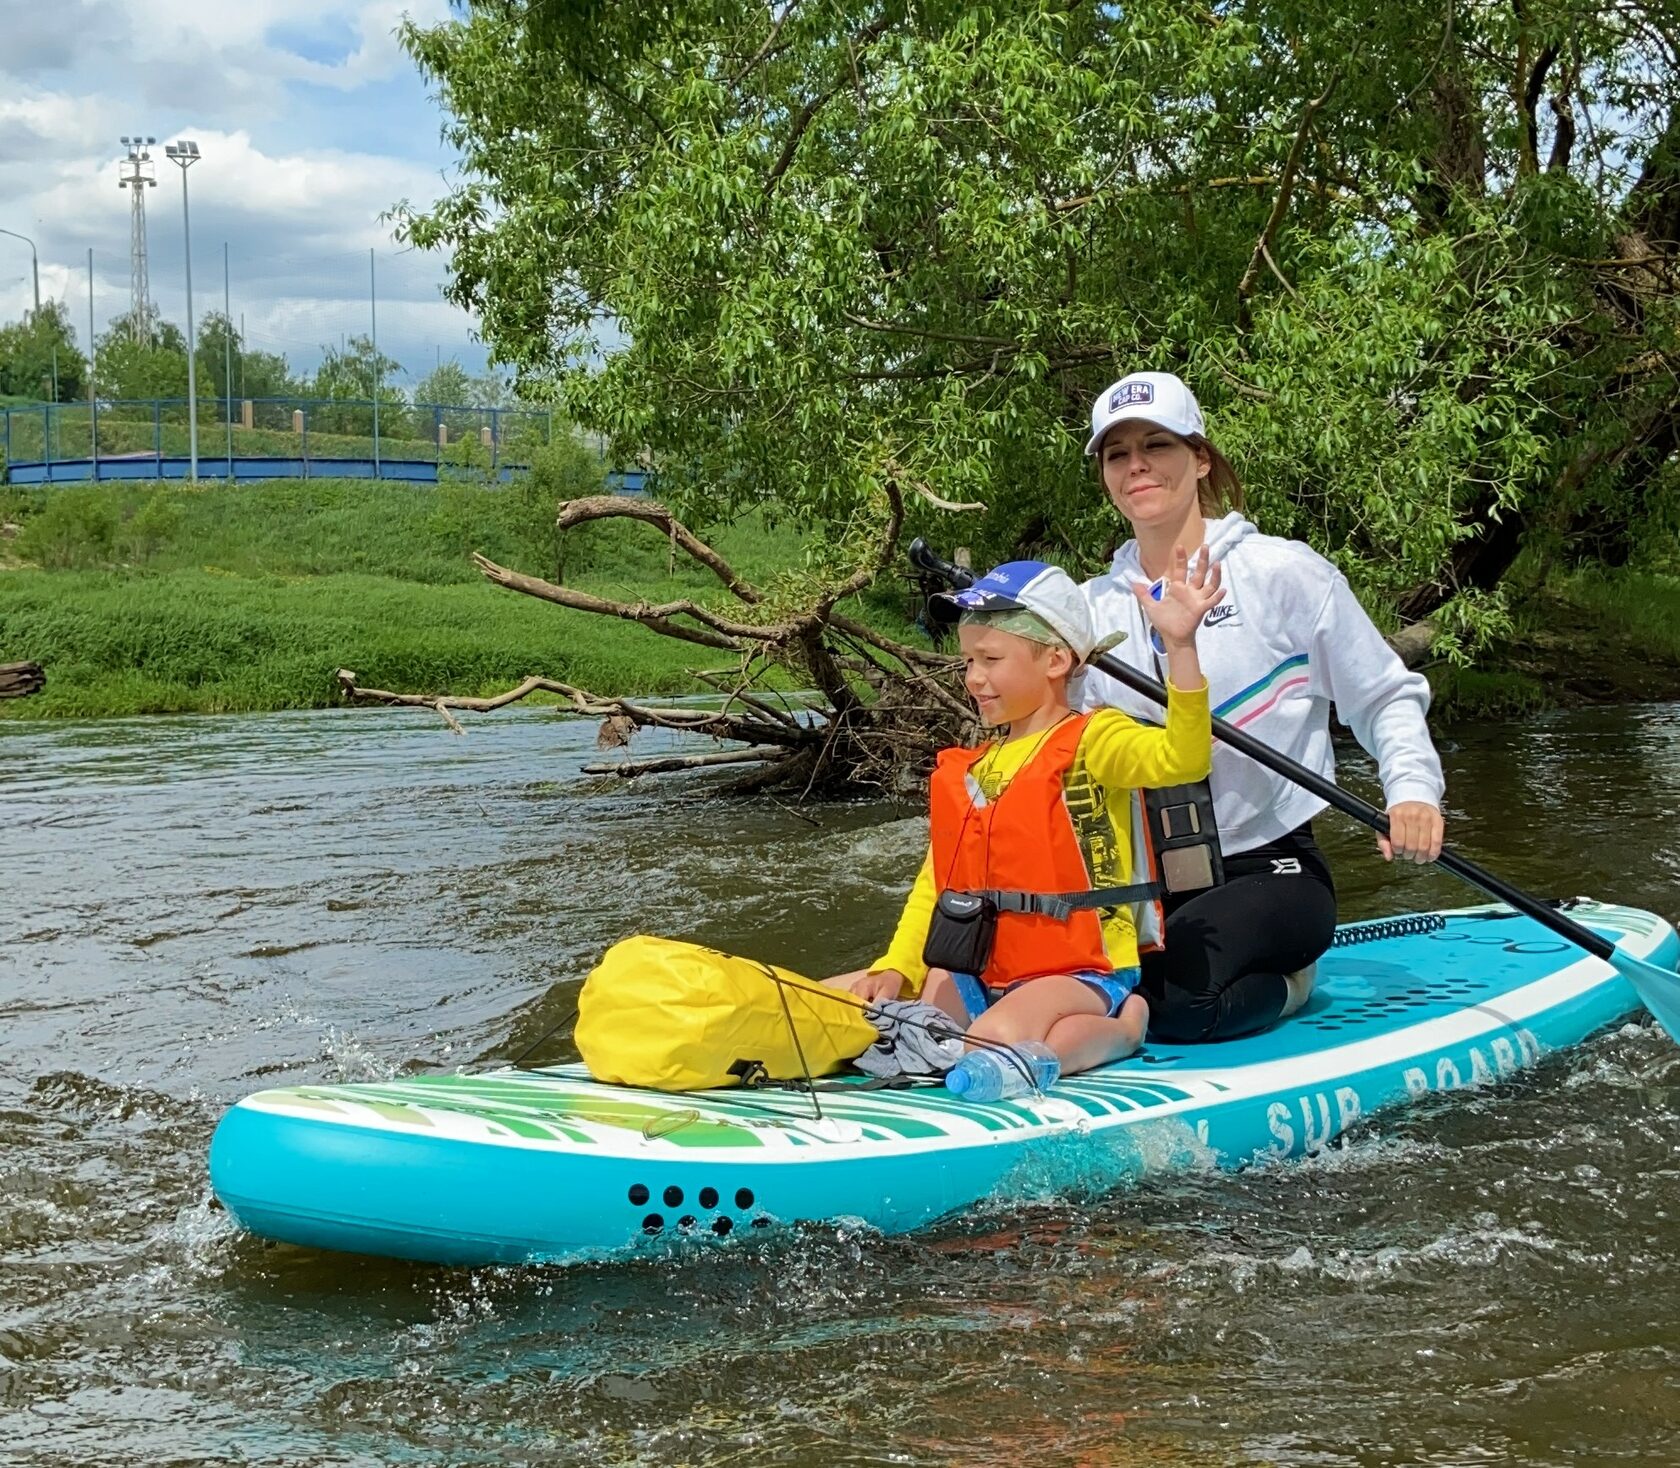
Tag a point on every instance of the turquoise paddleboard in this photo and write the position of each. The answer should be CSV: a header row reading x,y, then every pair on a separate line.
x,y
548,1164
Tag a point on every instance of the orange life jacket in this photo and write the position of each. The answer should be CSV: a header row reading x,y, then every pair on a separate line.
x,y
1026,841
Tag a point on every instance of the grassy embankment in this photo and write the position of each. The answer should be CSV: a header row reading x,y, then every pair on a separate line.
x,y
163,599
1584,637
160,599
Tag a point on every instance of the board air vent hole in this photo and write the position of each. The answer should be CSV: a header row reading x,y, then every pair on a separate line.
x,y
761,1222
638,1194
673,1196
721,1226
743,1199
708,1197
653,1224
686,1222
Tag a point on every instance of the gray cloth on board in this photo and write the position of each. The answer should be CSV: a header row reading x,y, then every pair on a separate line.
x,y
917,1039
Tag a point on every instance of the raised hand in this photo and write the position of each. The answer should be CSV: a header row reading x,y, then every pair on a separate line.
x,y
1186,598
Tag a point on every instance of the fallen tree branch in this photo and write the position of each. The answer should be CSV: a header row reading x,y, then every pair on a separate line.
x,y
738,694
715,630
903,651
724,634
715,723
1412,642
875,719
610,506
629,769
584,701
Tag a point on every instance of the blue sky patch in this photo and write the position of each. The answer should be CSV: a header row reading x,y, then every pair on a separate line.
x,y
329,41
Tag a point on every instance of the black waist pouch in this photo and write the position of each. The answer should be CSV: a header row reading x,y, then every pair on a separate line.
x,y
961,933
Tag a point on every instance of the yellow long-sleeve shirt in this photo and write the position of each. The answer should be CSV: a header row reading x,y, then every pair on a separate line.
x,y
1121,755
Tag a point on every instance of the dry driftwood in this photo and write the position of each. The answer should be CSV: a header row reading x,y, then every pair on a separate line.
x,y
879,710
19,680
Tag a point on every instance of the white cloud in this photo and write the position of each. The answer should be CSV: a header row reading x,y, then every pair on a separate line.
x,y
301,109
50,38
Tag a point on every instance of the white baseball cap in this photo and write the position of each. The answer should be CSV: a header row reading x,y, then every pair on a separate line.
x,y
1152,397
1046,591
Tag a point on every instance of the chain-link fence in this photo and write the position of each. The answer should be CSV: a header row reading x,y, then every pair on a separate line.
x,y
295,322
240,437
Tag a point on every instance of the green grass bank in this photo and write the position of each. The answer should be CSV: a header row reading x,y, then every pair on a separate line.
x,y
162,599
245,598
1582,637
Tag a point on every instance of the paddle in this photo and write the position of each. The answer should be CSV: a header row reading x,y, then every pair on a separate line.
x,y
1658,988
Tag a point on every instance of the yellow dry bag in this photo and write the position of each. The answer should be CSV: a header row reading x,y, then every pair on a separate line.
x,y
679,1017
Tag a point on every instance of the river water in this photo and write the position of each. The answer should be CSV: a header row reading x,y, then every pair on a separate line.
x,y
196,908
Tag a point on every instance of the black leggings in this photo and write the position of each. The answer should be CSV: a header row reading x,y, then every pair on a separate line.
x,y
1228,948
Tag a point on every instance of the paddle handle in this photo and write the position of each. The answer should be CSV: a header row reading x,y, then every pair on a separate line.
x,y
924,558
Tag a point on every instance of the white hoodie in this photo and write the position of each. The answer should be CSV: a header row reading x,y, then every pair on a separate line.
x,y
1288,640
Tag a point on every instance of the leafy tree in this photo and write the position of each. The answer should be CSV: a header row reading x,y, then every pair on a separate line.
x,y
256,374
219,348
1419,262
153,366
447,386
35,350
39,351
350,374
495,390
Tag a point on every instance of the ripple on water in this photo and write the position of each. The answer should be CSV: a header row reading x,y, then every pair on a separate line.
x,y
201,907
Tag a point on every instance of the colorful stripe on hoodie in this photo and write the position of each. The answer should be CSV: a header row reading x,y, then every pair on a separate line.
x,y
1243,708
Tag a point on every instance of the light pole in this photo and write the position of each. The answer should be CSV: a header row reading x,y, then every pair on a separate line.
x,y
34,263
184,155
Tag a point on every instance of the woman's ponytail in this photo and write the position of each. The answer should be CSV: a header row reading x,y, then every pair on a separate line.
x,y
1220,489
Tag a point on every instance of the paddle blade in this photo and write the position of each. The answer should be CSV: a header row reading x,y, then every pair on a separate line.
x,y
1658,989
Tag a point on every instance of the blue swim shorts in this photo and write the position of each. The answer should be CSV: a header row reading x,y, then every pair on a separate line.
x,y
1115,987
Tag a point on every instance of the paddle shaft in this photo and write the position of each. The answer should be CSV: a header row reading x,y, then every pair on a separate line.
x,y
924,558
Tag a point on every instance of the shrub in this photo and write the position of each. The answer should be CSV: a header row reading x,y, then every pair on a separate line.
x,y
75,530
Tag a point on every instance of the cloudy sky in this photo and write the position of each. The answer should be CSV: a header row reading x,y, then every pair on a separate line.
x,y
312,122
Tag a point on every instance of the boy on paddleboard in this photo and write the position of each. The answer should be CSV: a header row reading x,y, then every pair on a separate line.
x,y
1027,825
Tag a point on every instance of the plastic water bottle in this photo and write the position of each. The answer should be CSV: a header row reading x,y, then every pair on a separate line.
x,y
996,1075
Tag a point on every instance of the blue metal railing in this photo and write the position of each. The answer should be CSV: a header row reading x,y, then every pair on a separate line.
x,y
267,438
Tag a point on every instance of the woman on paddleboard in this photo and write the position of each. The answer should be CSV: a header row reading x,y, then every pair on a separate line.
x,y
1289,641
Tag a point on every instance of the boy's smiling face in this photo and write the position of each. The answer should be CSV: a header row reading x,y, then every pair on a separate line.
x,y
1011,677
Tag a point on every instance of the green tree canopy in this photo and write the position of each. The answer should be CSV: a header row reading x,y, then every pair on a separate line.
x,y
255,374
1417,260
258,374
39,353
447,385
350,374
353,370
150,365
